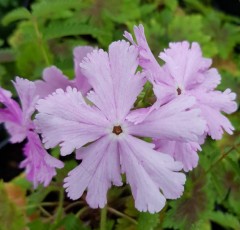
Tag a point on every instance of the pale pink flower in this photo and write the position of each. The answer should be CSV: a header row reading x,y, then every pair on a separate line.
x,y
39,165
105,134
186,72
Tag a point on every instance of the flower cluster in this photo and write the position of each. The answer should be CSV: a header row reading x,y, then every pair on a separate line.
x,y
95,115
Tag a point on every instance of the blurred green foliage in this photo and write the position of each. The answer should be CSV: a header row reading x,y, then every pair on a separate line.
x,y
45,35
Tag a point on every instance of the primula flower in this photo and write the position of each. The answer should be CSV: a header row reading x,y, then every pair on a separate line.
x,y
186,72
53,78
106,141
39,165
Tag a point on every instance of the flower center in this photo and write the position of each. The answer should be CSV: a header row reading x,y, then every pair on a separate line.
x,y
179,91
117,130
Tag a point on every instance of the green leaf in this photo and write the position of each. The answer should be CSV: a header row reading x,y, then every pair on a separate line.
x,y
29,62
24,34
38,225
228,37
59,29
190,27
171,4
196,5
123,10
110,225
71,222
225,35
146,9
130,210
24,40
226,220
130,207
233,163
225,184
123,223
10,216
210,153
193,206
202,225
147,221
16,14
55,8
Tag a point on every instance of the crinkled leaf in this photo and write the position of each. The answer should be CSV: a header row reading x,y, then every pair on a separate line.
x,y
54,9
124,10
192,206
71,222
190,27
130,210
146,9
130,207
202,225
125,224
226,220
147,221
226,182
38,225
209,154
58,29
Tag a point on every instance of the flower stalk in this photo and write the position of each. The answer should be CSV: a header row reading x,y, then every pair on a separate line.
x,y
103,220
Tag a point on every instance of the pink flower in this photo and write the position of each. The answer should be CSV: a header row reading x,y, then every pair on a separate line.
x,y
53,78
186,72
105,134
12,116
39,165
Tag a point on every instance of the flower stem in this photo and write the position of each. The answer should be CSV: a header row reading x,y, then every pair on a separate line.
x,y
221,158
116,212
103,218
60,206
81,211
45,212
77,203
